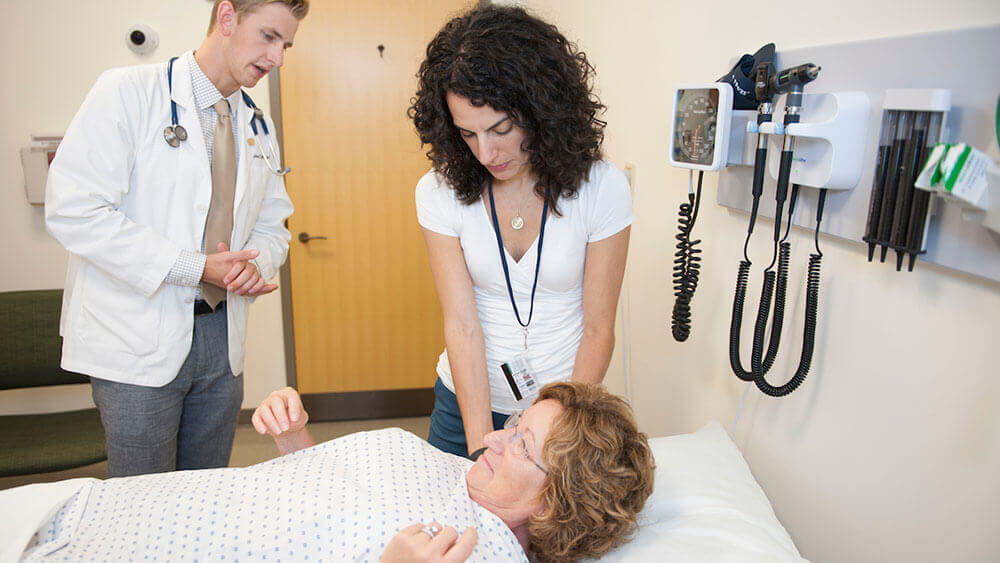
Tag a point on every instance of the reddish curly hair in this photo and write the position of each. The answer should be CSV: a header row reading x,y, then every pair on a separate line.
x,y
600,475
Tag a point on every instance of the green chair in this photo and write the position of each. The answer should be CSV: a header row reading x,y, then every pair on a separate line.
x,y
30,348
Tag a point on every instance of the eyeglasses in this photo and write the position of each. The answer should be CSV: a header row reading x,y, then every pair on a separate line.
x,y
517,439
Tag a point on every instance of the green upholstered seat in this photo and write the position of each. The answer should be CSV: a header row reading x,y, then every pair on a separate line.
x,y
30,348
38,443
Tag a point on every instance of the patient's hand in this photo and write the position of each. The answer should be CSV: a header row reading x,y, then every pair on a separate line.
x,y
282,415
413,544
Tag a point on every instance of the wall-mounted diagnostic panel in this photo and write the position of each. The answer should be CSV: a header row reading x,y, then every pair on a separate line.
x,y
904,160
866,130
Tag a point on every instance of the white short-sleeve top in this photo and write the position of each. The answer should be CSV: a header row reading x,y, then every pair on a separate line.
x,y
602,208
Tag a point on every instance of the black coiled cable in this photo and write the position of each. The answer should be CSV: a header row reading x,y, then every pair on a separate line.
x,y
809,329
687,265
783,252
734,328
781,286
775,286
808,335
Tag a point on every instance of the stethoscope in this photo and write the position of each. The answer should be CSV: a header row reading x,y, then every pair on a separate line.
x,y
175,133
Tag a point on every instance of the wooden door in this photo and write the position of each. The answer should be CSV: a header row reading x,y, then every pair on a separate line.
x,y
367,321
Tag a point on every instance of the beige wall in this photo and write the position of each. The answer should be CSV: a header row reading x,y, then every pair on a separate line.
x,y
55,50
889,452
891,449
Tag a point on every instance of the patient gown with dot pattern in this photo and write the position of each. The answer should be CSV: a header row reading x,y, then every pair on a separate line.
x,y
338,501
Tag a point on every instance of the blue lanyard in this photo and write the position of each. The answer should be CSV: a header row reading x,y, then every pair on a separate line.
x,y
503,257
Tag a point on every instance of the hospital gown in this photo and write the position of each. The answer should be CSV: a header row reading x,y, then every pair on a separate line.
x,y
343,500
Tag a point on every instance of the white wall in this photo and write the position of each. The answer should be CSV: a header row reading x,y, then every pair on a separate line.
x,y
891,449
889,452
55,50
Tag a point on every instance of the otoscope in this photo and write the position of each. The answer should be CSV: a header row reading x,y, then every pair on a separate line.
x,y
789,82
768,84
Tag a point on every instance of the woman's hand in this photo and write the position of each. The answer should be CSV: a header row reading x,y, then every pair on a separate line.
x,y
413,543
282,416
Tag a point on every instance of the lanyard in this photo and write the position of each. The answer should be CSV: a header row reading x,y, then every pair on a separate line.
x,y
503,260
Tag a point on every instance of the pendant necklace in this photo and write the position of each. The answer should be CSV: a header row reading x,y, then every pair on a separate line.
x,y
517,222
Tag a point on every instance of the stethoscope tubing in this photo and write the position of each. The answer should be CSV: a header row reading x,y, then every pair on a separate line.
x,y
175,133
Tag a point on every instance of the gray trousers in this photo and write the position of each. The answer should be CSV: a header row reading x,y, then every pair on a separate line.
x,y
188,423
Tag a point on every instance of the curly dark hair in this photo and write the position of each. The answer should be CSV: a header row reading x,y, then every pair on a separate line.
x,y
505,58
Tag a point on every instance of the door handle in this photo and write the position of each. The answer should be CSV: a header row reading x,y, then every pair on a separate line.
x,y
305,237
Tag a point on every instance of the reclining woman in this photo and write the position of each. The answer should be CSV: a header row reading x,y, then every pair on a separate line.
x,y
566,480
567,477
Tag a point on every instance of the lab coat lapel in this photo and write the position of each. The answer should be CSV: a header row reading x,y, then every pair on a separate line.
x,y
187,115
243,117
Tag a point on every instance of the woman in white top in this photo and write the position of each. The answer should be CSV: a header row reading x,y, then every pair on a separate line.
x,y
526,227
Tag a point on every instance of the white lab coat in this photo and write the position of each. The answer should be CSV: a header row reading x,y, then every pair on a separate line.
x,y
124,204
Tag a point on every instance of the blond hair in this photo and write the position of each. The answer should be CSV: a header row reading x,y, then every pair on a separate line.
x,y
600,475
299,8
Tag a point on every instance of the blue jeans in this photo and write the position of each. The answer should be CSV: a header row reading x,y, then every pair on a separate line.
x,y
447,431
188,423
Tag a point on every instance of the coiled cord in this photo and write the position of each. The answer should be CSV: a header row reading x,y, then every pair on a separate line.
x,y
783,253
687,265
737,321
808,335
775,286
809,329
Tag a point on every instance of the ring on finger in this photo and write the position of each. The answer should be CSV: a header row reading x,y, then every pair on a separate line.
x,y
430,530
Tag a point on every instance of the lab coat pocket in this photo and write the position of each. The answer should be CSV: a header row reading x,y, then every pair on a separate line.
x,y
115,317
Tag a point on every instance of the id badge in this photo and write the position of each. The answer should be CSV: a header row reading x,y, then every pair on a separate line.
x,y
520,378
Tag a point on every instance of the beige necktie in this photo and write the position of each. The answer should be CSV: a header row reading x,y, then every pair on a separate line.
x,y
219,225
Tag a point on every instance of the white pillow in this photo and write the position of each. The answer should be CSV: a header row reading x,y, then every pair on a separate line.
x,y
706,506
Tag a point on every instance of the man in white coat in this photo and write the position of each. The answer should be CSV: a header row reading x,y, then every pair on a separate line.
x,y
174,220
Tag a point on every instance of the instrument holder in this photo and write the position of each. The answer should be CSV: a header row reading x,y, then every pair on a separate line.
x,y
830,144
